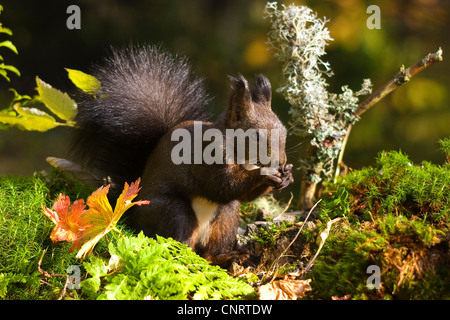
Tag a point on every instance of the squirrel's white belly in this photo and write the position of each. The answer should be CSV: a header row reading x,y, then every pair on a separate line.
x,y
204,211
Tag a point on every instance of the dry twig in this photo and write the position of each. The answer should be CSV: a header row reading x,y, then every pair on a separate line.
x,y
48,276
298,233
403,76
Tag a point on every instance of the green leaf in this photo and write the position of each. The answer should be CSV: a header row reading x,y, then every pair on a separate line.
x,y
162,269
58,102
5,30
5,68
84,81
7,278
8,44
10,68
90,286
30,119
4,74
96,267
119,288
19,97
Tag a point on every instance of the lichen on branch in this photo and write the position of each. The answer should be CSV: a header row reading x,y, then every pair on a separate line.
x,y
298,38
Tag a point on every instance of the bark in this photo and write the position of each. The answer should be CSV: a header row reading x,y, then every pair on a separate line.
x,y
307,197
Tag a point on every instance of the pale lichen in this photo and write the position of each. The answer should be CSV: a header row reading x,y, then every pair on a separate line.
x,y
298,38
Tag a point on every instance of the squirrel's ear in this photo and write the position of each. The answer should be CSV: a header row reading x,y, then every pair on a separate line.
x,y
262,93
241,98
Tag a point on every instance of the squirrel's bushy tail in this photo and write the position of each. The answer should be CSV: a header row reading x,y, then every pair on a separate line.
x,y
145,92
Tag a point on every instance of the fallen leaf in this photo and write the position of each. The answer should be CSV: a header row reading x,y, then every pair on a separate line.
x,y
74,224
346,297
101,218
284,290
66,217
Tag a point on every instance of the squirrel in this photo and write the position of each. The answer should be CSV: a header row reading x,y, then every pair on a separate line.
x,y
127,131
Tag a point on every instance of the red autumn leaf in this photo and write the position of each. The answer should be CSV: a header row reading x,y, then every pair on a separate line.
x,y
73,223
67,219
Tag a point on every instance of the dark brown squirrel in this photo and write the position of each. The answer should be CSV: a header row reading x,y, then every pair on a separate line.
x,y
127,131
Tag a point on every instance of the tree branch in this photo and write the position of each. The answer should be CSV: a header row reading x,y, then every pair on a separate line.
x,y
404,75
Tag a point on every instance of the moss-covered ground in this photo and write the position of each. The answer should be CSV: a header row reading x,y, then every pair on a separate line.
x,y
24,235
389,240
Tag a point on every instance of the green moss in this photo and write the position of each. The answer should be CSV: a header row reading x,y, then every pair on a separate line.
x,y
398,220
24,234
394,215
269,234
445,147
20,201
395,185
163,269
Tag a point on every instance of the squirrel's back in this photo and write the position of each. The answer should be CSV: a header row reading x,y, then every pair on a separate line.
x,y
145,92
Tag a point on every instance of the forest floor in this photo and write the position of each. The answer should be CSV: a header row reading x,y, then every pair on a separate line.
x,y
382,232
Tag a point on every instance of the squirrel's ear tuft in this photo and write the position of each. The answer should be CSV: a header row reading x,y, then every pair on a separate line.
x,y
262,93
241,98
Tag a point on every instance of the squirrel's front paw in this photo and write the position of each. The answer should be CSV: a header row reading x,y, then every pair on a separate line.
x,y
273,180
281,178
286,176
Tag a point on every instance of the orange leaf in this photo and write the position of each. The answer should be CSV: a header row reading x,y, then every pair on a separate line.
x,y
67,219
100,216
74,224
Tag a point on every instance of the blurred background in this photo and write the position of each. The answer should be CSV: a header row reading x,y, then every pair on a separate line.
x,y
228,37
